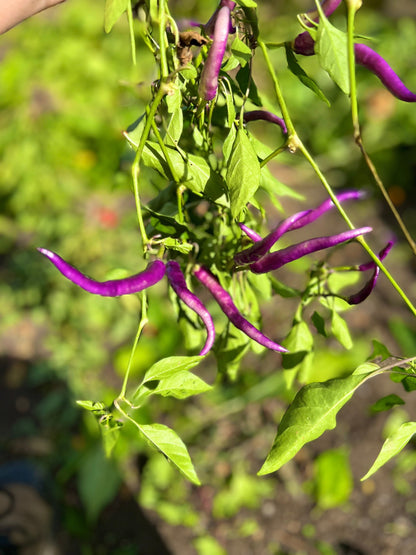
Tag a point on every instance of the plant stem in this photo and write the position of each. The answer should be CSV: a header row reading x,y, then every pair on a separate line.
x,y
135,169
164,149
131,30
142,323
281,101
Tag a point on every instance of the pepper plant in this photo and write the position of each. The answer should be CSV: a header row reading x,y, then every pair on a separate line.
x,y
207,228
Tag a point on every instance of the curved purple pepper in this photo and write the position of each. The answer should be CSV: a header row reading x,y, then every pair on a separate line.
x,y
231,311
366,57
264,115
297,221
178,283
261,248
363,293
112,288
208,84
276,260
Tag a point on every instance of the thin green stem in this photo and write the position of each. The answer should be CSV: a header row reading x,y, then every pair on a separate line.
x,y
142,323
135,169
164,149
279,95
131,30
273,154
164,70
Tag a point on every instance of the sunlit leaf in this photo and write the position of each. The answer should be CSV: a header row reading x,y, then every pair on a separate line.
x,y
170,444
312,412
113,11
243,173
396,441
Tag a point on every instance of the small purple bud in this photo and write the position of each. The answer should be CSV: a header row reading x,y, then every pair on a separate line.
x,y
276,260
208,84
231,311
112,288
178,283
361,295
255,115
304,43
366,57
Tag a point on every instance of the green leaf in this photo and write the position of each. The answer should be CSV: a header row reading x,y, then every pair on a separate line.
x,y
113,11
241,51
181,385
319,323
175,128
177,245
386,403
340,330
98,481
227,146
333,483
396,441
245,82
332,52
312,412
247,3
379,350
303,77
194,171
170,444
170,366
94,406
243,173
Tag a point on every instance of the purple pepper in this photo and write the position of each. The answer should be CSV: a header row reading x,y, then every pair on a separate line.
x,y
297,221
276,260
208,84
366,57
112,288
209,27
255,115
251,234
361,295
231,311
178,283
260,248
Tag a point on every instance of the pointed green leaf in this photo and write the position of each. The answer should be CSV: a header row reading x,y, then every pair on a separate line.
x,y
386,403
340,330
113,11
312,412
170,366
243,173
303,77
181,385
241,51
331,48
392,446
170,444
